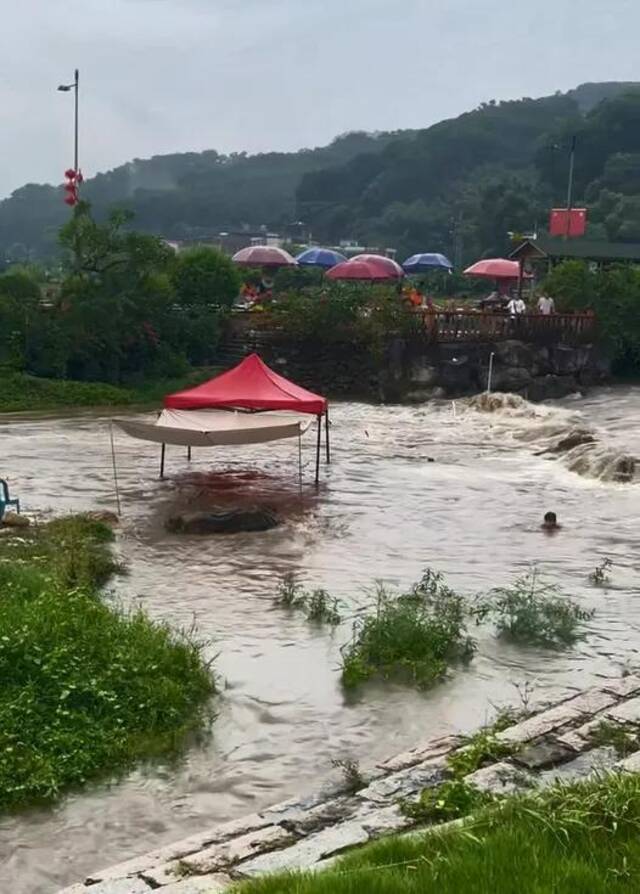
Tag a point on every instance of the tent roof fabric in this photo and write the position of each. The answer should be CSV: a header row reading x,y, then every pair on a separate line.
x,y
251,385
210,428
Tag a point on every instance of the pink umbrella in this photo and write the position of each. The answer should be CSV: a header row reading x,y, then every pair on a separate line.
x,y
383,262
264,256
365,271
495,268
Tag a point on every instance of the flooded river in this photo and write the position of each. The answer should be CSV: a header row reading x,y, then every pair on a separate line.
x,y
384,511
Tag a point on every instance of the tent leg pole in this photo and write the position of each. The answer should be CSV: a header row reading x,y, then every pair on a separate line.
x,y
300,460
326,425
189,453
162,450
318,451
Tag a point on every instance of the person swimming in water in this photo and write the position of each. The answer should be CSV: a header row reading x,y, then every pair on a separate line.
x,y
550,522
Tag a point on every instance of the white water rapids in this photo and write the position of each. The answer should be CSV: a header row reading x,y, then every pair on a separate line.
x,y
383,511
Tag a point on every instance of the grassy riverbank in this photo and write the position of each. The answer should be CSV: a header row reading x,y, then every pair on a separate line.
x,y
85,688
21,392
581,838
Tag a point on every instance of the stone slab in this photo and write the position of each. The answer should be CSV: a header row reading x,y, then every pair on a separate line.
x,y
199,884
543,754
630,764
228,853
382,820
310,850
623,687
592,701
406,782
430,749
501,779
180,849
580,738
597,760
626,712
331,812
115,886
540,724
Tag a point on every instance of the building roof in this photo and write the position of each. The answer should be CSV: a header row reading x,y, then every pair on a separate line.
x,y
583,249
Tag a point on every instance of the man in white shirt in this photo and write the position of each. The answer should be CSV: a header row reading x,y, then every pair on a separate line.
x,y
516,307
546,305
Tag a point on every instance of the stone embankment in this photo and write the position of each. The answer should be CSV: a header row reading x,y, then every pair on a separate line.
x,y
552,744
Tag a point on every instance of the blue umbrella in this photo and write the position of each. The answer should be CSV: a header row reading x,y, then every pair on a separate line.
x,y
424,263
320,257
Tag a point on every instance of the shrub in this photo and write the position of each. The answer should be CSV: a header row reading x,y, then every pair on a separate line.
x,y
451,800
414,636
531,611
205,276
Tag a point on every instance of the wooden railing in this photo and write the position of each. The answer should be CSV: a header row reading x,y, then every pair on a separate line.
x,y
481,326
456,326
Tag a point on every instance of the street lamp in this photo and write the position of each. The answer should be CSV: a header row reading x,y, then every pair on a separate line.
x,y
65,88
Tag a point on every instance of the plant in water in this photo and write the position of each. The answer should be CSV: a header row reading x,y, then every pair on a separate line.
x,y
290,593
351,775
322,607
599,575
318,605
532,611
415,636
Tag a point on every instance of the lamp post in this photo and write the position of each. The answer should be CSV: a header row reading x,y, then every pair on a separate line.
x,y
65,88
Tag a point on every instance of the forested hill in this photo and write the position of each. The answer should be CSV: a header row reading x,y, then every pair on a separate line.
x,y
458,186
189,195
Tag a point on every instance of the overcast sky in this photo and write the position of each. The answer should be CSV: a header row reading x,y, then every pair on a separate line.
x,y
162,76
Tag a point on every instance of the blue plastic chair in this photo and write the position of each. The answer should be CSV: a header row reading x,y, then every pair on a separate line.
x,y
5,500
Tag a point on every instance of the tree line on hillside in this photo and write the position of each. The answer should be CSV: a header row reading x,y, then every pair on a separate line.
x,y
460,186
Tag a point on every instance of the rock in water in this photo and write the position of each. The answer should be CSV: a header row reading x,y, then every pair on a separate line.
x,y
14,520
233,521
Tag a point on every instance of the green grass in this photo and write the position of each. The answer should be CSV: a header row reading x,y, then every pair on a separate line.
x,y
578,839
21,392
414,637
86,689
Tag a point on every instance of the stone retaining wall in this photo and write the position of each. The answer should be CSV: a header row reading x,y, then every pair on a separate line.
x,y
552,744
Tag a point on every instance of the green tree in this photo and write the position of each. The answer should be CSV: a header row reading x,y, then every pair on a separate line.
x,y
205,277
613,294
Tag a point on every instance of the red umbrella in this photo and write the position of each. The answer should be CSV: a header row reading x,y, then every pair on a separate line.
x,y
495,268
383,262
366,268
264,256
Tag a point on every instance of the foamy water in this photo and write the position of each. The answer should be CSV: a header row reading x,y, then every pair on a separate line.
x,y
384,511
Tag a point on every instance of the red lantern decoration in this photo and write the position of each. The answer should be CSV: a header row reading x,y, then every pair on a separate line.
x,y
74,178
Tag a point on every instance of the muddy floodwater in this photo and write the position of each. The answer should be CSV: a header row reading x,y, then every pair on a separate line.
x,y
384,511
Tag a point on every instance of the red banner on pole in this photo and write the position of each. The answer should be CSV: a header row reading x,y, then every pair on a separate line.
x,y
568,222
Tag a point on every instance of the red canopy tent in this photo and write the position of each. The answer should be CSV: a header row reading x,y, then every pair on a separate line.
x,y
250,385
254,387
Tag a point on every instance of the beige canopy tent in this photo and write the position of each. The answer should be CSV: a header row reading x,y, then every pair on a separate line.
x,y
212,428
